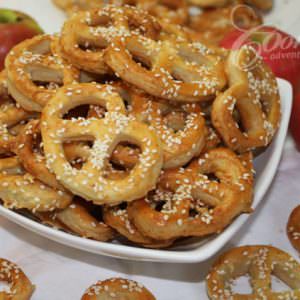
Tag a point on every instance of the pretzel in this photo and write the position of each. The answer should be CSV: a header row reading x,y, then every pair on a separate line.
x,y
188,203
173,11
10,115
117,288
73,6
181,128
117,218
85,35
20,286
78,219
19,189
31,64
209,3
34,161
260,263
89,182
181,71
293,228
253,91
212,25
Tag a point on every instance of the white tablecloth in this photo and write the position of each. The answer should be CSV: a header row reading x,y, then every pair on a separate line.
x,y
62,273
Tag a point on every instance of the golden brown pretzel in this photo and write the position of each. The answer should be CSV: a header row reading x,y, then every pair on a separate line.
x,y
260,263
90,182
33,160
173,11
20,286
117,288
177,71
253,91
73,6
79,220
181,128
117,218
213,24
86,34
32,64
293,228
11,114
189,203
19,189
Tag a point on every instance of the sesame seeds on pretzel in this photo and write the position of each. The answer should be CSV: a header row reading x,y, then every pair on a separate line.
x,y
293,228
90,182
180,72
117,218
19,189
253,92
260,263
188,203
34,72
117,288
79,220
86,35
20,286
11,115
181,128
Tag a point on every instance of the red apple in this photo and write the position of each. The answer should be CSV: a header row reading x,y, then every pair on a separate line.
x,y
14,28
279,50
295,121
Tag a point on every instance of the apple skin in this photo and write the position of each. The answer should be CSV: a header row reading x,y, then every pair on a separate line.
x,y
14,28
278,49
295,121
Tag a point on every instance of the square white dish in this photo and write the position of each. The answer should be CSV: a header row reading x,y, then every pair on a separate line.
x,y
192,250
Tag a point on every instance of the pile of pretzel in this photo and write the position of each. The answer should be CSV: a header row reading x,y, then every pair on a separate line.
x,y
212,23
123,126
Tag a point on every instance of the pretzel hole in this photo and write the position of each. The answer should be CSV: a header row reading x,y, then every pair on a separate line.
x,y
93,210
241,285
86,77
77,152
45,77
278,285
42,48
125,156
142,61
4,286
78,112
176,120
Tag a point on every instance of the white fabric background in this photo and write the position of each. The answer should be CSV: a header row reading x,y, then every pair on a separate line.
x,y
62,273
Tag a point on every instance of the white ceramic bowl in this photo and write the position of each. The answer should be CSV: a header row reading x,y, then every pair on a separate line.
x,y
192,250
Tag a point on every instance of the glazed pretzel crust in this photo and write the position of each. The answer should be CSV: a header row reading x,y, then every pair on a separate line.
x,y
19,189
11,114
194,204
34,61
117,218
181,71
95,29
293,228
259,262
20,286
254,92
117,288
90,182
181,128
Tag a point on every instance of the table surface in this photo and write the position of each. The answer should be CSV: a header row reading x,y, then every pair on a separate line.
x,y
62,273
